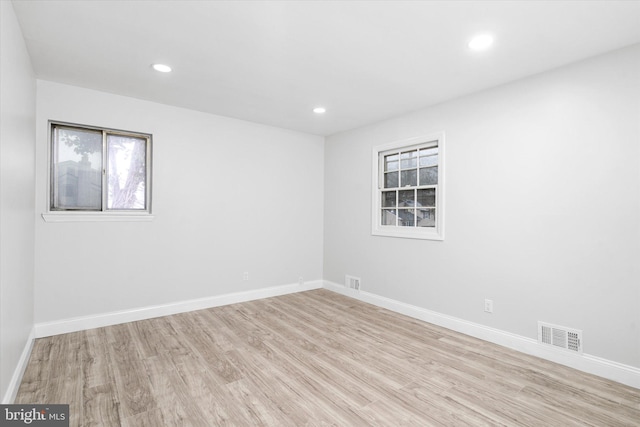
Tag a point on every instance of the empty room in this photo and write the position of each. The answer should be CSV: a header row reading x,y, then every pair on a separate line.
x,y
306,213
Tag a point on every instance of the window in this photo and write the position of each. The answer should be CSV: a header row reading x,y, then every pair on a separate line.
x,y
408,188
95,170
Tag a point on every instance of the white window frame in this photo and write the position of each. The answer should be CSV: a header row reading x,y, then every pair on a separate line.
x,y
72,215
377,185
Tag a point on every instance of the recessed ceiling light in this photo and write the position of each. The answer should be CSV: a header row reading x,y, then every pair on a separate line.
x,y
481,42
319,110
162,68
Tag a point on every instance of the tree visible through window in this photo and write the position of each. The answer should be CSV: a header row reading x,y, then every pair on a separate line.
x,y
99,170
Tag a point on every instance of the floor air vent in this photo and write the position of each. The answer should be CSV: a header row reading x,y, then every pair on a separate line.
x,y
352,282
561,337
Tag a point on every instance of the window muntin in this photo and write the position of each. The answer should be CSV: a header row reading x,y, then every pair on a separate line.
x,y
99,170
408,199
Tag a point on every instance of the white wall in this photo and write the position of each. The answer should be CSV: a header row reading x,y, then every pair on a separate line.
x,y
542,207
17,146
229,196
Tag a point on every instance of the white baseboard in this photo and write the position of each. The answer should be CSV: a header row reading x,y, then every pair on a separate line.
x,y
75,324
16,378
615,371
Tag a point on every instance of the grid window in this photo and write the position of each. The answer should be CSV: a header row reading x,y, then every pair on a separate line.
x,y
408,189
99,170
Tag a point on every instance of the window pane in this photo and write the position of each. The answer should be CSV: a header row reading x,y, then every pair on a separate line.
x,y
429,161
428,151
389,199
406,217
78,169
409,159
427,197
391,180
409,177
388,217
127,172
429,176
426,218
391,162
406,198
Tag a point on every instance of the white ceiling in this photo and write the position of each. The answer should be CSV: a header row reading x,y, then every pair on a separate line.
x,y
271,62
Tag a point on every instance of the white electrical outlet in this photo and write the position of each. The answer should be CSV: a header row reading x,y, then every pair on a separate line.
x,y
488,306
245,275
300,280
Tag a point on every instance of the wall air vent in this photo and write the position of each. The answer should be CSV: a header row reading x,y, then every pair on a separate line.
x,y
352,282
560,336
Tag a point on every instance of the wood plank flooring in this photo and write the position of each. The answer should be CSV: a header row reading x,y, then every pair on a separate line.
x,y
314,358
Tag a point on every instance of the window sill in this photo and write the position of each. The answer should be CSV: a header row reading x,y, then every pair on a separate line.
x,y
96,217
408,233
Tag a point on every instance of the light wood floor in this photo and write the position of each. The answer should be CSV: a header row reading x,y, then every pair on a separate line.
x,y
312,358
